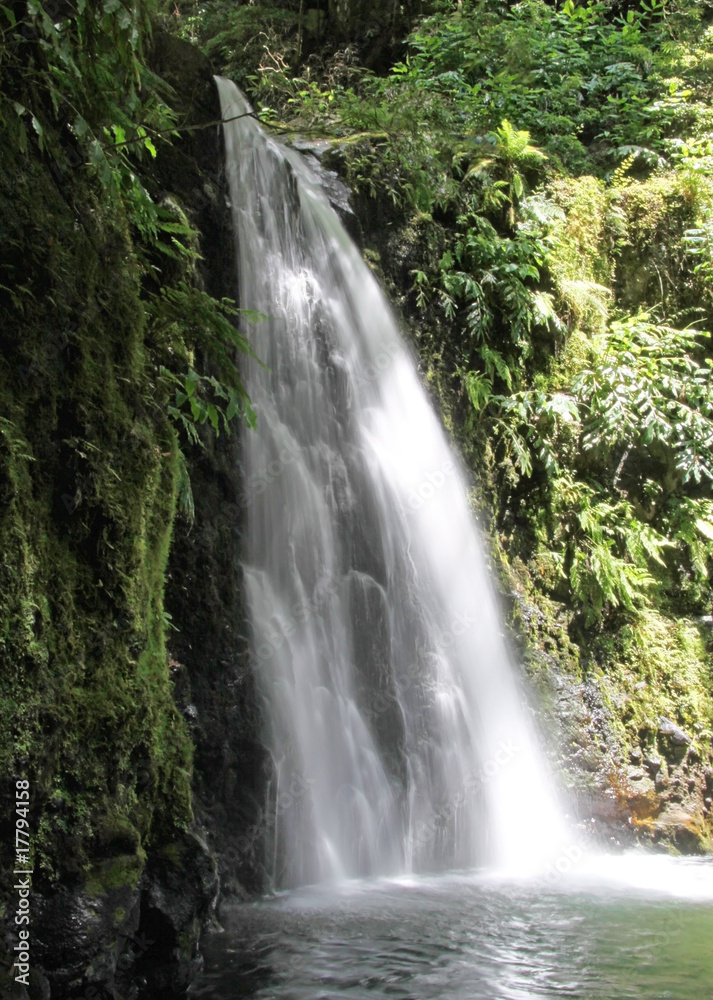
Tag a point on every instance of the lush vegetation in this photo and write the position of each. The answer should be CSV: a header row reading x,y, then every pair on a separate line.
x,y
547,149
548,170
114,355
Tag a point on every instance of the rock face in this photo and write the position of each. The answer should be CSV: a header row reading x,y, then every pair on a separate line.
x,y
212,679
180,887
123,940
674,733
213,683
127,880
657,794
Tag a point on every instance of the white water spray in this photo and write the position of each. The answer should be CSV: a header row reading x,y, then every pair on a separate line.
x,y
399,735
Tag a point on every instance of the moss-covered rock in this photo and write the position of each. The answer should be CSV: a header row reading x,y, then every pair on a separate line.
x,y
89,464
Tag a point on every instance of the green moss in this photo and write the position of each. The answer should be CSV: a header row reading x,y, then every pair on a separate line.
x,y
172,854
657,666
543,622
583,239
88,467
654,266
115,873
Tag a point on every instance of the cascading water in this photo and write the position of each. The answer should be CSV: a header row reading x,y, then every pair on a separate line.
x,y
399,735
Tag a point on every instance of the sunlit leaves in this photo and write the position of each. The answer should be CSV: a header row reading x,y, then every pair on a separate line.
x,y
492,279
479,389
648,386
606,549
646,395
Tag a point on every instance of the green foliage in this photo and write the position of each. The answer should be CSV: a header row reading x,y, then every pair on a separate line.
x,y
585,222
698,243
605,550
492,279
236,36
79,76
651,388
590,89
510,156
642,400
75,86
184,312
659,666
102,318
389,136
195,391
565,74
210,323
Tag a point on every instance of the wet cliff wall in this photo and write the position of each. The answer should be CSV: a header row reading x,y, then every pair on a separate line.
x,y
123,677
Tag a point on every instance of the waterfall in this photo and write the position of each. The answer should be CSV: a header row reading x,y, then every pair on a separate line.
x,y
398,731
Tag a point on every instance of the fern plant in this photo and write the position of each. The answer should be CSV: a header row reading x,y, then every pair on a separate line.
x,y
492,280
650,386
607,551
508,159
646,399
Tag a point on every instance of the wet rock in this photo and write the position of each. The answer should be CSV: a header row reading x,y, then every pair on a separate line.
x,y
190,713
661,780
335,189
653,763
124,920
682,829
642,797
603,808
677,735
180,888
39,988
80,932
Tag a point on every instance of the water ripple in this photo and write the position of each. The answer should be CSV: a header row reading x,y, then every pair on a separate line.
x,y
476,938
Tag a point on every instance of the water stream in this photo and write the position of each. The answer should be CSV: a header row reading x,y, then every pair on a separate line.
x,y
400,737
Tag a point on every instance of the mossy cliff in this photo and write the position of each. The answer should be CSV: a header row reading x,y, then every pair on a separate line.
x,y
91,469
